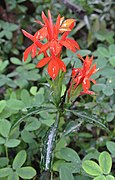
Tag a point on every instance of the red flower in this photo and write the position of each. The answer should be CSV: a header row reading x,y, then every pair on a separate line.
x,y
53,45
83,75
33,48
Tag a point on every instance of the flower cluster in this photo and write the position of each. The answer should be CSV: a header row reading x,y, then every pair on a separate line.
x,y
53,47
82,76
56,36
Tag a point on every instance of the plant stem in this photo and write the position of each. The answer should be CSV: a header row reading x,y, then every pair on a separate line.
x,y
48,148
6,150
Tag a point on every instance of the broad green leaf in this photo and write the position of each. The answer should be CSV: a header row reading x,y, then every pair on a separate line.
x,y
27,136
3,162
33,90
91,168
81,177
26,172
107,90
98,87
2,140
26,98
70,155
112,49
33,125
5,128
12,143
13,176
5,172
74,168
110,177
112,61
15,60
103,52
111,147
84,52
65,173
39,99
15,104
8,34
2,105
110,117
19,159
102,177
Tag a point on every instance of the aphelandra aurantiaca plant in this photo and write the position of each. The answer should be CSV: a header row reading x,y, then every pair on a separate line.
x,y
56,36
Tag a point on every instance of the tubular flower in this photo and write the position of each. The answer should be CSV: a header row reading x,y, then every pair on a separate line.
x,y
53,46
83,76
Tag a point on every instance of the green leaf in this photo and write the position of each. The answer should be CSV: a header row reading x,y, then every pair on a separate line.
x,y
12,27
2,105
5,128
8,34
109,177
16,61
111,147
112,61
70,155
33,90
102,177
5,172
81,177
103,52
107,90
112,49
27,136
98,87
33,125
26,98
2,140
86,117
12,143
3,162
19,159
83,52
65,173
13,176
91,168
71,127
15,104
110,117
26,172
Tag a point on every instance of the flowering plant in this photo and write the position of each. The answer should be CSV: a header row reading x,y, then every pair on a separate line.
x,y
49,41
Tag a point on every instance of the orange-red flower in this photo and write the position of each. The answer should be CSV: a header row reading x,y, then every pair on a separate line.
x,y
83,76
53,47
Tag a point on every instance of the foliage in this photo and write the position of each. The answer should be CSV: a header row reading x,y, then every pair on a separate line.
x,y
86,132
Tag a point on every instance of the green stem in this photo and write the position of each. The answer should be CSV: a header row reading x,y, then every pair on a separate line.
x,y
48,148
6,150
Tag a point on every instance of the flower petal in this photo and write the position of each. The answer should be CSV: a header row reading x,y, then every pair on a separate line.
x,y
41,34
61,64
67,45
53,69
74,43
67,23
87,92
44,47
92,71
86,84
39,22
28,35
34,49
47,23
43,62
27,52
55,48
